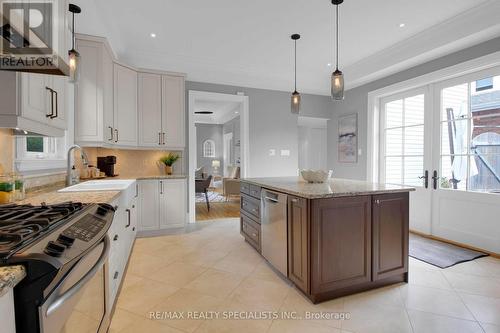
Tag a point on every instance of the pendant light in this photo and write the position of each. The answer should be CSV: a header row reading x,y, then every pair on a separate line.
x,y
73,55
337,84
295,103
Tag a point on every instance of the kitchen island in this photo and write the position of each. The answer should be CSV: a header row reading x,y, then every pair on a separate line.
x,y
338,238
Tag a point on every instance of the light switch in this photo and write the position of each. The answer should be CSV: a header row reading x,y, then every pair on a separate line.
x,y
285,152
272,152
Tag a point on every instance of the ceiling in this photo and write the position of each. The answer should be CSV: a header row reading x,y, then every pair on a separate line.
x,y
247,43
223,111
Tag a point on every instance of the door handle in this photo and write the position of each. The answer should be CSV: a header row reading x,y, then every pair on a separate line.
x,y
51,102
111,131
128,218
56,107
116,132
60,300
425,177
435,179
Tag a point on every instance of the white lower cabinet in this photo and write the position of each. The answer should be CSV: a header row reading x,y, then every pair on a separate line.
x,y
162,204
121,235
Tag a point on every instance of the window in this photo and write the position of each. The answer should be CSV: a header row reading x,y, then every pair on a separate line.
x,y
404,140
470,137
40,153
209,148
484,84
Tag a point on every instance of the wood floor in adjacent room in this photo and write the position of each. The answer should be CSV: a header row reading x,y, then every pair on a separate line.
x,y
218,210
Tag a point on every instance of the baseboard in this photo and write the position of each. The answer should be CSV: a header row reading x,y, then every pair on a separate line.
x,y
492,254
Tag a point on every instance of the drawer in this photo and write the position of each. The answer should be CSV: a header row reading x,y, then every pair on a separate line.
x,y
244,188
250,205
250,230
255,191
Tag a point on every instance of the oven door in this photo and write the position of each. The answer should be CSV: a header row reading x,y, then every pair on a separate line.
x,y
78,304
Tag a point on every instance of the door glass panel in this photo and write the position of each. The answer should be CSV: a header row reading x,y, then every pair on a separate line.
x,y
413,167
414,110
394,114
404,140
454,137
393,170
414,140
470,136
455,102
394,142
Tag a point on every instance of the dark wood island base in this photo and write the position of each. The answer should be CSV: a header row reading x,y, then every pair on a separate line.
x,y
339,245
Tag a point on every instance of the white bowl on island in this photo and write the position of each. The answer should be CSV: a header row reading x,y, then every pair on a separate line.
x,y
316,176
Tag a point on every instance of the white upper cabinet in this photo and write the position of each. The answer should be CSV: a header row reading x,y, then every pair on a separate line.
x,y
94,93
125,105
34,102
150,114
161,110
174,113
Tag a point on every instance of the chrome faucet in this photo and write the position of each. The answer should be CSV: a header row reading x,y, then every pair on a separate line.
x,y
85,159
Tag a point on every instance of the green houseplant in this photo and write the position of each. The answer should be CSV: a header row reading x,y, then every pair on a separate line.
x,y
169,160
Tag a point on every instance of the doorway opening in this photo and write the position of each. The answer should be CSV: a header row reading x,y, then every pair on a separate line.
x,y
218,154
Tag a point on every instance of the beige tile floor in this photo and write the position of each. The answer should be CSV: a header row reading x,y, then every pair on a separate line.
x,y
213,270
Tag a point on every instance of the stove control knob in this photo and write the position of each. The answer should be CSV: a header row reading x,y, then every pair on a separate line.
x,y
102,210
65,240
54,249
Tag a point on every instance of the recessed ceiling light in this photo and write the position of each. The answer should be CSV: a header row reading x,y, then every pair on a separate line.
x,y
402,25
329,64
153,35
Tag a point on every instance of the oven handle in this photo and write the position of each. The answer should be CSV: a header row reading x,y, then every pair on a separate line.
x,y
80,284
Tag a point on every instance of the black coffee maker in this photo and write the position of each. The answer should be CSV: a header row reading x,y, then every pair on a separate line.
x,y
106,164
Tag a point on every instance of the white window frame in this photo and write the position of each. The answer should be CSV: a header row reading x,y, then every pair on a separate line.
x,y
209,148
53,157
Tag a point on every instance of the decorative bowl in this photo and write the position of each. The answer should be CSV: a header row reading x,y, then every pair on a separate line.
x,y
316,176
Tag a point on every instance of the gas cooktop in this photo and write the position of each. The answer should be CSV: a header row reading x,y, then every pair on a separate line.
x,y
21,225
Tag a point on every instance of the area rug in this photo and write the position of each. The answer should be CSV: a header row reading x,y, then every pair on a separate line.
x,y
440,254
212,197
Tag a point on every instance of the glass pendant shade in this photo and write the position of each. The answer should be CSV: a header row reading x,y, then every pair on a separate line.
x,y
74,61
337,85
295,103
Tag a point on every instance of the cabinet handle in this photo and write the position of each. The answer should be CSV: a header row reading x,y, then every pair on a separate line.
x,y
111,132
56,107
163,138
161,187
435,179
136,190
159,138
377,202
51,102
115,276
128,218
116,132
115,238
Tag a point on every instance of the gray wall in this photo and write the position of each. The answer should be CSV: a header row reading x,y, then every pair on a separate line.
x,y
272,125
206,132
356,101
233,126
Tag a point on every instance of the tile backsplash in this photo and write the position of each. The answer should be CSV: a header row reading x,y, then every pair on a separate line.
x,y
6,150
134,163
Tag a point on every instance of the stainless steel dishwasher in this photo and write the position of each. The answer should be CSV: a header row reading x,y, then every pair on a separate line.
x,y
274,229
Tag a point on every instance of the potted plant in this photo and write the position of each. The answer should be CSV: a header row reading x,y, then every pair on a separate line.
x,y
169,160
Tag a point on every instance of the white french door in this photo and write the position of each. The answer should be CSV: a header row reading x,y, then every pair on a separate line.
x,y
406,149
444,140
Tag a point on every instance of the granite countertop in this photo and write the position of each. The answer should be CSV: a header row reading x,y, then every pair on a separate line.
x,y
10,276
334,187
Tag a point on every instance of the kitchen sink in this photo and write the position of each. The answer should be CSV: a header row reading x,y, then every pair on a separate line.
x,y
100,185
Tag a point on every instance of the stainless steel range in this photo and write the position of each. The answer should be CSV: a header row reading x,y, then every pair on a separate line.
x,y
63,248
